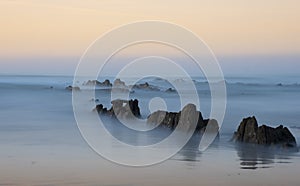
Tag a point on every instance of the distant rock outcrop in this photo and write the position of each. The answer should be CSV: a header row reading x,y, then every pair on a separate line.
x,y
189,115
249,132
106,83
145,86
121,108
119,83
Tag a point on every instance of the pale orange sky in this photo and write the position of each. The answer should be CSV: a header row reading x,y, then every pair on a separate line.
x,y
230,27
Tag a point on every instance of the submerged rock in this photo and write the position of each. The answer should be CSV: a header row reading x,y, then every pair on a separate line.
x,y
185,119
249,132
121,108
72,88
94,99
170,90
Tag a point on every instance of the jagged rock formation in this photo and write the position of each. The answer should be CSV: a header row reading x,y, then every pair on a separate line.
x,y
189,115
119,83
121,108
106,83
249,132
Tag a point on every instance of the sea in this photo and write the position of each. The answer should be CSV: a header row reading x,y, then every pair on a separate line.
x,y
41,144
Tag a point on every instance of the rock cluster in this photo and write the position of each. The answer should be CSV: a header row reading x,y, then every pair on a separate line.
x,y
186,119
121,108
120,86
106,83
189,116
249,132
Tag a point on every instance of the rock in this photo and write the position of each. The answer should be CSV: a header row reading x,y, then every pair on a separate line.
x,y
94,100
188,115
145,86
165,119
72,88
249,132
121,108
119,83
106,83
211,126
100,109
278,135
91,83
170,90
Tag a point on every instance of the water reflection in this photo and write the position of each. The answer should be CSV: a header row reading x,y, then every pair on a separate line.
x,y
256,157
190,152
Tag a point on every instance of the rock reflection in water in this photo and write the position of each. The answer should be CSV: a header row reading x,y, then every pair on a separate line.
x,y
254,157
190,152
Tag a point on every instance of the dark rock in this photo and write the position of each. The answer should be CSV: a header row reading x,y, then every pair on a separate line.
x,y
188,115
121,108
144,85
170,90
95,100
106,83
100,109
210,126
249,132
72,88
279,84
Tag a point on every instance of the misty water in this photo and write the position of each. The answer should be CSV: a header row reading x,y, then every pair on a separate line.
x,y
40,143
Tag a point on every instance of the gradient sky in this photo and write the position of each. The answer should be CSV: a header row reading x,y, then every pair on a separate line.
x,y
35,33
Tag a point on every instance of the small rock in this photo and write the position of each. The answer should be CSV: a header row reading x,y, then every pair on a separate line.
x,y
145,86
72,88
170,90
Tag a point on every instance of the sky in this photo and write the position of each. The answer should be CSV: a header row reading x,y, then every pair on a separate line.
x,y
49,36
